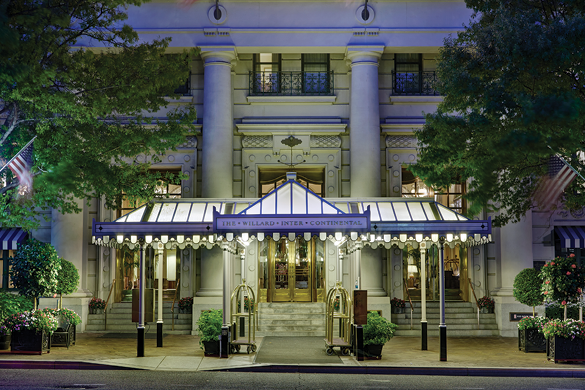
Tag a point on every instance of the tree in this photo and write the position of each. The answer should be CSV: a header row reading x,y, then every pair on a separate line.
x,y
67,280
513,96
88,108
563,281
34,269
527,288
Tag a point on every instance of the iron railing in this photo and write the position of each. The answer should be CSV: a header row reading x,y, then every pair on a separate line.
x,y
291,83
414,83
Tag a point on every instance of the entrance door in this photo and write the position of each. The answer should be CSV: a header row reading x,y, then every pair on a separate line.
x,y
291,269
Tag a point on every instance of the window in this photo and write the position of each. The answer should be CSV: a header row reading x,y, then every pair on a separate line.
x,y
452,197
184,89
315,69
163,190
313,179
266,72
407,71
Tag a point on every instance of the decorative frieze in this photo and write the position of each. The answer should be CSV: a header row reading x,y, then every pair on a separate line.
x,y
401,141
325,141
257,141
190,142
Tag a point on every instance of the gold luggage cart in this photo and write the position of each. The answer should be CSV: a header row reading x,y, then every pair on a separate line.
x,y
338,307
243,305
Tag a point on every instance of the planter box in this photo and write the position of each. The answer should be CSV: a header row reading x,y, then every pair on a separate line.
x,y
486,310
64,335
531,340
30,341
373,351
211,348
398,310
5,342
562,349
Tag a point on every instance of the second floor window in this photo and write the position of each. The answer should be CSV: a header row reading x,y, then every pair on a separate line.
x,y
315,69
313,179
452,197
409,77
266,73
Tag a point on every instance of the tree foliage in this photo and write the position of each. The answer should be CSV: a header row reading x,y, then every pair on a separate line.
x,y
67,279
90,109
34,269
513,95
527,288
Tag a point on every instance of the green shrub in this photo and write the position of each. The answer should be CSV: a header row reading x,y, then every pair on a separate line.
x,y
378,330
12,303
528,288
209,325
554,310
67,278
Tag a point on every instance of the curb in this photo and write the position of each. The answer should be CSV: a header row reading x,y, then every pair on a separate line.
x,y
58,365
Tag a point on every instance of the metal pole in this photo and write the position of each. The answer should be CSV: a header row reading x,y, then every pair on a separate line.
x,y
224,336
159,322
442,325
140,329
423,295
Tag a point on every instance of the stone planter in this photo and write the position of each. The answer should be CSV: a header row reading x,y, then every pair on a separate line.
x,y
531,340
373,351
211,348
5,342
62,337
486,310
30,341
398,310
563,349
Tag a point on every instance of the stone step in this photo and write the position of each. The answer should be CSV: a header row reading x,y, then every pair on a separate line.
x,y
418,316
295,322
404,321
165,331
289,333
132,327
450,333
449,326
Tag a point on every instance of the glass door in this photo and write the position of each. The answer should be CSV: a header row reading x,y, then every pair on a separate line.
x,y
291,271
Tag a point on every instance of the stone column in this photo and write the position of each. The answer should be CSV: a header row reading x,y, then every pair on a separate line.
x,y
371,272
217,141
364,115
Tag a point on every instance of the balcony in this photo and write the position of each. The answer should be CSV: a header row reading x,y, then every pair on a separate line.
x,y
291,83
414,83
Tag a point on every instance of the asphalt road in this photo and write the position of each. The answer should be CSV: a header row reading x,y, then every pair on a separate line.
x,y
139,380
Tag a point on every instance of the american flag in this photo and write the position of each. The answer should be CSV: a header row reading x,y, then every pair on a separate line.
x,y
559,176
21,165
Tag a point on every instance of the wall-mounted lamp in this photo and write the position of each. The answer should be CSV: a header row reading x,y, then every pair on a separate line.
x,y
365,12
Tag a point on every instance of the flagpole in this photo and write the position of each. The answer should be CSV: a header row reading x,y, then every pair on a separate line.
x,y
17,154
569,165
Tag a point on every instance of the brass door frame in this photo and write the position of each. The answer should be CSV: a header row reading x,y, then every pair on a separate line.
x,y
291,293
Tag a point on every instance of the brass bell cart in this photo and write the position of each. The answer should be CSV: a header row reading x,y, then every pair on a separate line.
x,y
239,311
339,308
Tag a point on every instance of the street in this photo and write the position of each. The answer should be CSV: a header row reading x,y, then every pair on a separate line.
x,y
136,379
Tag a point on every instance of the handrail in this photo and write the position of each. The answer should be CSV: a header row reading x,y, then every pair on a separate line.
x,y
409,301
291,83
476,302
173,305
106,307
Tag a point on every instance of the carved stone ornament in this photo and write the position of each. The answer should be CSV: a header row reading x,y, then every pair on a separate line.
x,y
325,141
190,142
257,141
401,141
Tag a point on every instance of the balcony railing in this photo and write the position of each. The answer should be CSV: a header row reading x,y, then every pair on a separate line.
x,y
414,83
291,83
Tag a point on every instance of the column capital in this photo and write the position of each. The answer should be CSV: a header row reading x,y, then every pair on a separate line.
x,y
218,55
361,54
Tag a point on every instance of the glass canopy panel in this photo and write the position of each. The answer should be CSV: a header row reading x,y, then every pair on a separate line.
x,y
283,205
343,206
328,209
448,215
154,213
269,204
240,206
182,212
166,212
254,209
314,205
416,211
299,200
197,212
401,210
136,215
386,212
374,213
209,211
431,214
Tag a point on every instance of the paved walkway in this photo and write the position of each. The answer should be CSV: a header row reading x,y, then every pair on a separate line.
x,y
486,356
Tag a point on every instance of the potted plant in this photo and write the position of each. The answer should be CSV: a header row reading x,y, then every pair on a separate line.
x,y
186,305
96,305
10,304
527,288
563,281
486,304
5,337
209,328
398,305
31,330
565,339
377,332
67,280
67,320
530,336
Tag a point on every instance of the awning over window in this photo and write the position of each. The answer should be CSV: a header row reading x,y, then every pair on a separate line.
x,y
11,237
571,236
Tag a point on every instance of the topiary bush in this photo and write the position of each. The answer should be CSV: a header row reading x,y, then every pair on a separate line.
x,y
378,330
527,288
34,269
67,280
209,325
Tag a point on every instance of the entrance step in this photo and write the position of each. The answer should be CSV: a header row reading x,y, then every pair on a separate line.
x,y
119,320
291,319
460,318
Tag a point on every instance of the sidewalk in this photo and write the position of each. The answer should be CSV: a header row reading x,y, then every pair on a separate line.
x,y
486,356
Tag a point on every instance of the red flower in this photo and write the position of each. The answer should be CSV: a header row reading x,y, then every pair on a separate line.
x,y
563,303
547,282
546,265
546,292
573,266
568,273
552,263
572,255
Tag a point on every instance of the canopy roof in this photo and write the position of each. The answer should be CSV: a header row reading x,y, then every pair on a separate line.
x,y
291,210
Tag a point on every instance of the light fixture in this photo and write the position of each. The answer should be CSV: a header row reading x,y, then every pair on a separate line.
x,y
148,239
217,11
180,238
463,237
120,238
245,237
449,237
164,238
412,269
418,237
133,239
365,12
338,236
434,237
403,237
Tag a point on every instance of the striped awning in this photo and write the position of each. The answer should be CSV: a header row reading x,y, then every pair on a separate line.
x,y
571,236
11,237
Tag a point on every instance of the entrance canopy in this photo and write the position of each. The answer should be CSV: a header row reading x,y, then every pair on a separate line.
x,y
10,238
292,210
571,236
